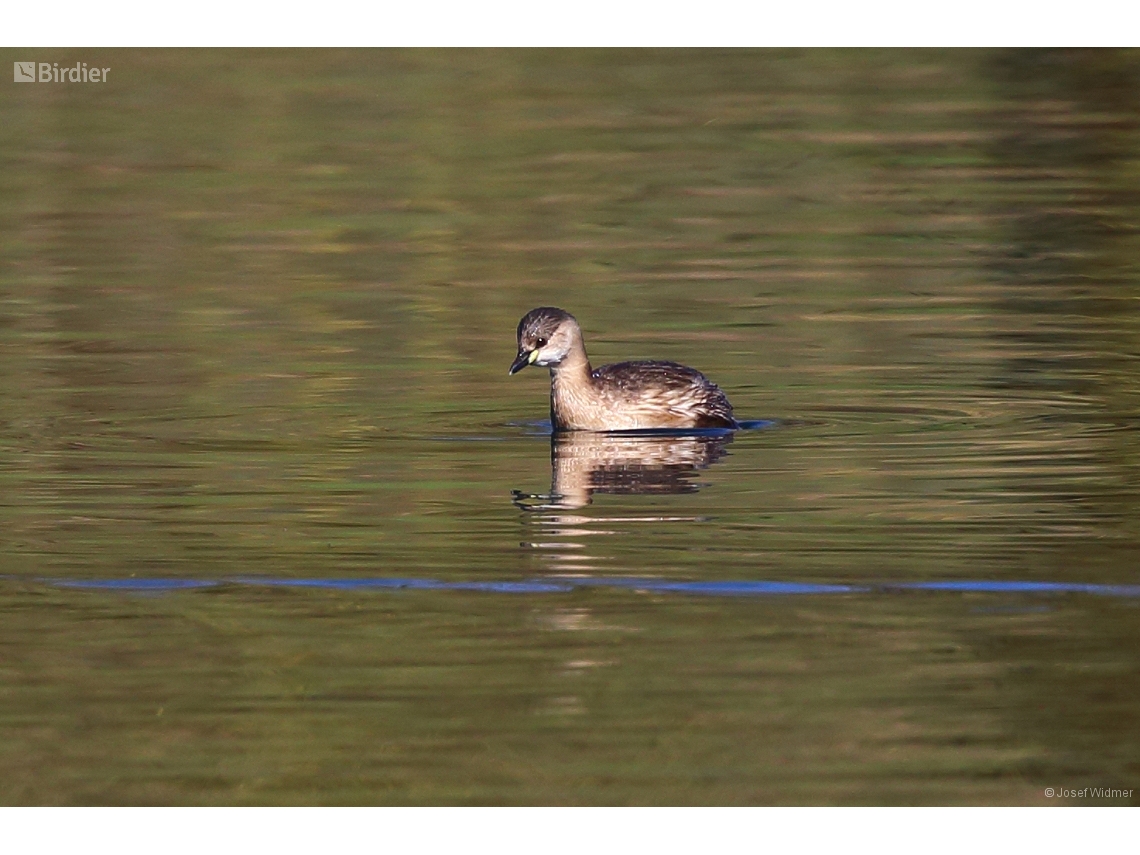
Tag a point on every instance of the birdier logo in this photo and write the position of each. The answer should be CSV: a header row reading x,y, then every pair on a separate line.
x,y
50,72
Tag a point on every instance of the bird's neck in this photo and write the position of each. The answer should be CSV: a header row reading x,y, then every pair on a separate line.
x,y
572,387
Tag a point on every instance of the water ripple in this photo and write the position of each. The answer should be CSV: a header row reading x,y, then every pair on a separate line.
x,y
561,585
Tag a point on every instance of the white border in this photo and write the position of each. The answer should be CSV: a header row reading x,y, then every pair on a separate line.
x,y
569,831
595,23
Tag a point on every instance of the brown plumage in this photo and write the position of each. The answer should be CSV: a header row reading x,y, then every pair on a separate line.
x,y
624,396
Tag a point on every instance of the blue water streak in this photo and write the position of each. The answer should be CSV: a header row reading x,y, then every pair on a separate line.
x,y
983,586
529,587
562,585
134,584
722,589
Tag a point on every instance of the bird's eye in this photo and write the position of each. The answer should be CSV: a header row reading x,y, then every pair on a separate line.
x,y
540,342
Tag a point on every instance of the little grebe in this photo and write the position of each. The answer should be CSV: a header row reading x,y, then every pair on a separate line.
x,y
624,396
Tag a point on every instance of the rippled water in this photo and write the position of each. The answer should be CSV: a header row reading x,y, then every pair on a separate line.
x,y
277,527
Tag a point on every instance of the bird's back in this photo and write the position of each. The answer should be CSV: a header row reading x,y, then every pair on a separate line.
x,y
659,394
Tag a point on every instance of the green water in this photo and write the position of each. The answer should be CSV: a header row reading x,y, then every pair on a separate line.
x,y
256,314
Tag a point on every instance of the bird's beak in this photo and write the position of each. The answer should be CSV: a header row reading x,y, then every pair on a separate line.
x,y
525,358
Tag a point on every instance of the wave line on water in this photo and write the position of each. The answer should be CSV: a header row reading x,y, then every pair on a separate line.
x,y
566,584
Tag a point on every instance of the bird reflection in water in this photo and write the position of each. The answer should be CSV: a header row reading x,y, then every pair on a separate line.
x,y
584,463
